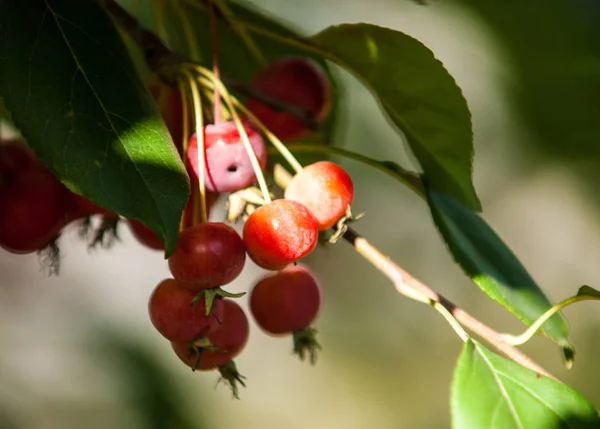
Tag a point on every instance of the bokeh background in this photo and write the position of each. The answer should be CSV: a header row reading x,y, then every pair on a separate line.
x,y
78,350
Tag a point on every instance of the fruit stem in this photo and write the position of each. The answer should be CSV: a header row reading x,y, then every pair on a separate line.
x,y
227,98
408,178
281,148
185,111
215,61
411,287
199,125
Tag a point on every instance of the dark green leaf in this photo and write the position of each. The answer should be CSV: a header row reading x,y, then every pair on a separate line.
x,y
73,92
4,113
417,93
491,264
489,391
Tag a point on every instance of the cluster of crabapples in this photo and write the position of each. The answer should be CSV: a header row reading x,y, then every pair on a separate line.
x,y
204,324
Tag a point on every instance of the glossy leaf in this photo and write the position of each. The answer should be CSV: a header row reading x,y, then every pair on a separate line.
x,y
489,391
73,92
491,264
418,94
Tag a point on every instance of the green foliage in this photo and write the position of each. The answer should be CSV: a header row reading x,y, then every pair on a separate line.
x,y
491,264
75,96
73,91
417,93
247,41
489,391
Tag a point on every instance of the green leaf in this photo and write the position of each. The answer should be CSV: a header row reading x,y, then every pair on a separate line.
x,y
186,27
588,291
489,391
74,94
417,93
491,264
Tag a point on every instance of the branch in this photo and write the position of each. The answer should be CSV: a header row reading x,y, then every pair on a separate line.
x,y
411,287
162,60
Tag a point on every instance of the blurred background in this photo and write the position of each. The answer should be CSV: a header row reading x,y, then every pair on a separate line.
x,y
79,351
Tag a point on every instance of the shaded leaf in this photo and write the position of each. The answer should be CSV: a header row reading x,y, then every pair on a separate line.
x,y
74,94
588,291
417,93
489,391
4,113
491,264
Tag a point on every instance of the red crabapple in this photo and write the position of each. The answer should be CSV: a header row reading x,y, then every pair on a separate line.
x,y
207,255
84,207
226,342
34,208
279,233
326,189
228,166
145,235
176,318
298,81
286,301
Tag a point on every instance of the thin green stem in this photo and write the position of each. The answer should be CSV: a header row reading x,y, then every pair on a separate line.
x,y
199,125
185,112
190,39
279,146
411,180
460,331
214,38
227,98
518,340
246,38
161,29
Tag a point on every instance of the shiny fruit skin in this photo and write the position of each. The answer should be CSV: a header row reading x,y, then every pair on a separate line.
x,y
326,189
279,233
231,338
173,315
228,167
286,301
33,209
207,255
298,81
145,235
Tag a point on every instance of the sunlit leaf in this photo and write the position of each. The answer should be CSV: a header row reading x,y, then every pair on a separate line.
x,y
489,391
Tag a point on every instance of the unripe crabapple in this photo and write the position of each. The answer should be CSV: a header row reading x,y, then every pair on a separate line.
x,y
228,166
326,189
